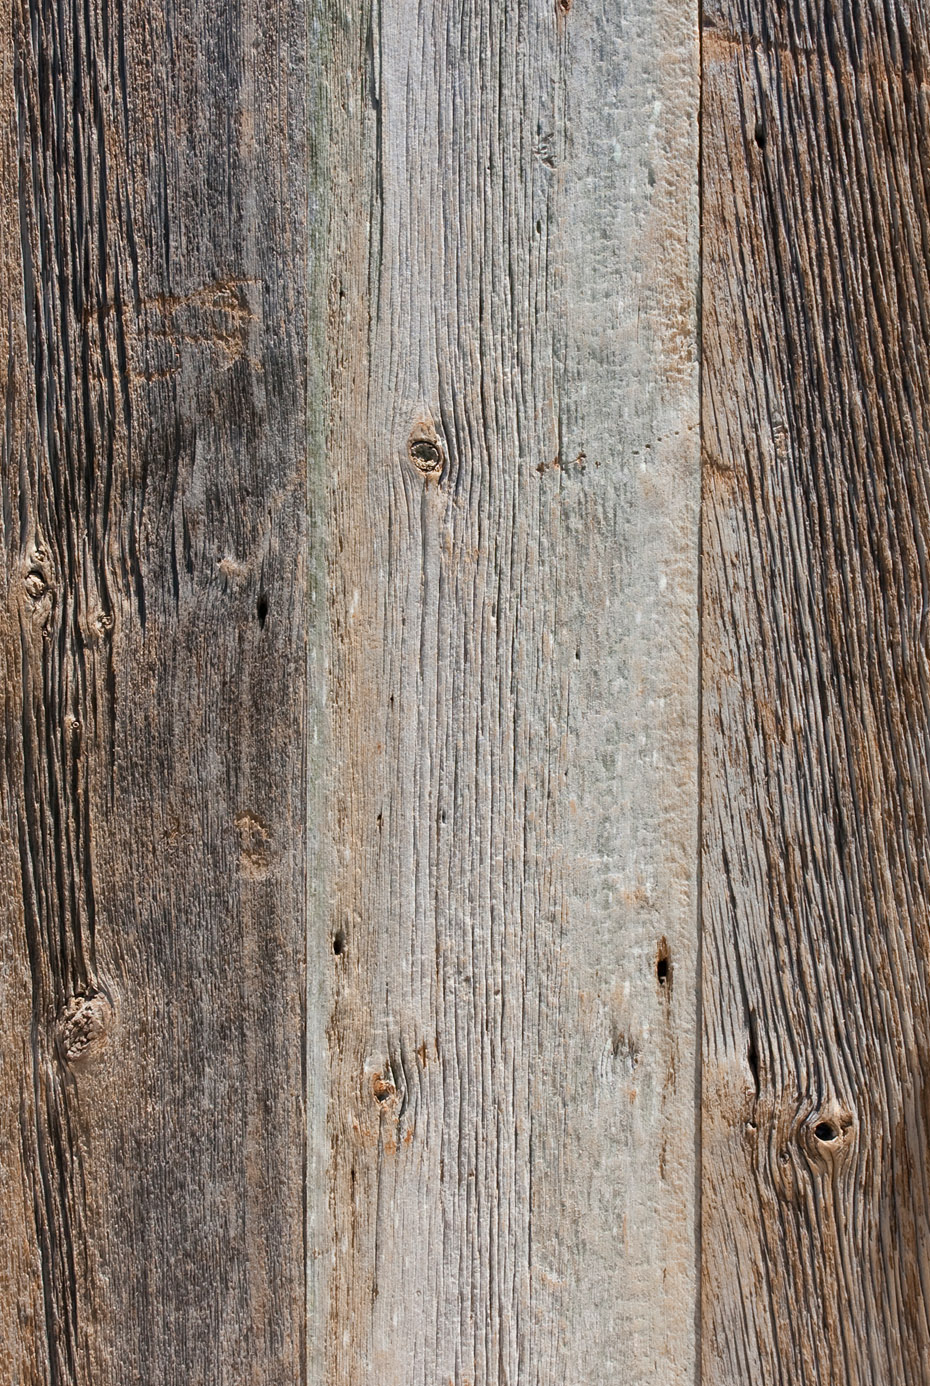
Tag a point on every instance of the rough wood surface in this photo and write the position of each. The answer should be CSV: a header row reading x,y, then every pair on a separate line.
x,y
816,326
153,613
507,486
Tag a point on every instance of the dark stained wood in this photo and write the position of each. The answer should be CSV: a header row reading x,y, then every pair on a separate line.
x,y
816,616
153,612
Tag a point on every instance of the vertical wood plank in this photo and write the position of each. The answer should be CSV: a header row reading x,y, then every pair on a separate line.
x,y
509,476
816,1194
152,851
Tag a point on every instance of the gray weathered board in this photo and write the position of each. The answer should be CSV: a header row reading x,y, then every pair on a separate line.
x,y
358,779
504,481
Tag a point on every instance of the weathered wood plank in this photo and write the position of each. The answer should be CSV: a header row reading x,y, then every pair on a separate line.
x,y
816,1193
152,502
509,484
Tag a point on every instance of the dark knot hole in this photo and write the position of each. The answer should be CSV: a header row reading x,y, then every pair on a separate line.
x,y
426,455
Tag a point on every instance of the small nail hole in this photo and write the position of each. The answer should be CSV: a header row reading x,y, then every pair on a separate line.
x,y
663,964
339,942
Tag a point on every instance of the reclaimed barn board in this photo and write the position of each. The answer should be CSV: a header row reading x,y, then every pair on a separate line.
x,y
505,486
153,642
349,834
816,620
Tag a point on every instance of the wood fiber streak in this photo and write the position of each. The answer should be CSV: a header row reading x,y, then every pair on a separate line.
x,y
507,473
816,621
153,644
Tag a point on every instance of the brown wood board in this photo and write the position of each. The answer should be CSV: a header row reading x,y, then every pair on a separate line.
x,y
816,592
152,849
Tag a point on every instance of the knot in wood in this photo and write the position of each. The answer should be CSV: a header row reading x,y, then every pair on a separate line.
x,y
383,1089
425,451
35,584
102,624
828,1135
83,1026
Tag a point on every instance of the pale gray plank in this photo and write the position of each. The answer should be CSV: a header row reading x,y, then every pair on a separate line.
x,y
508,826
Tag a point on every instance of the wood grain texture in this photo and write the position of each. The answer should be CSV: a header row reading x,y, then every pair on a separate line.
x,y
816,328
153,624
506,468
